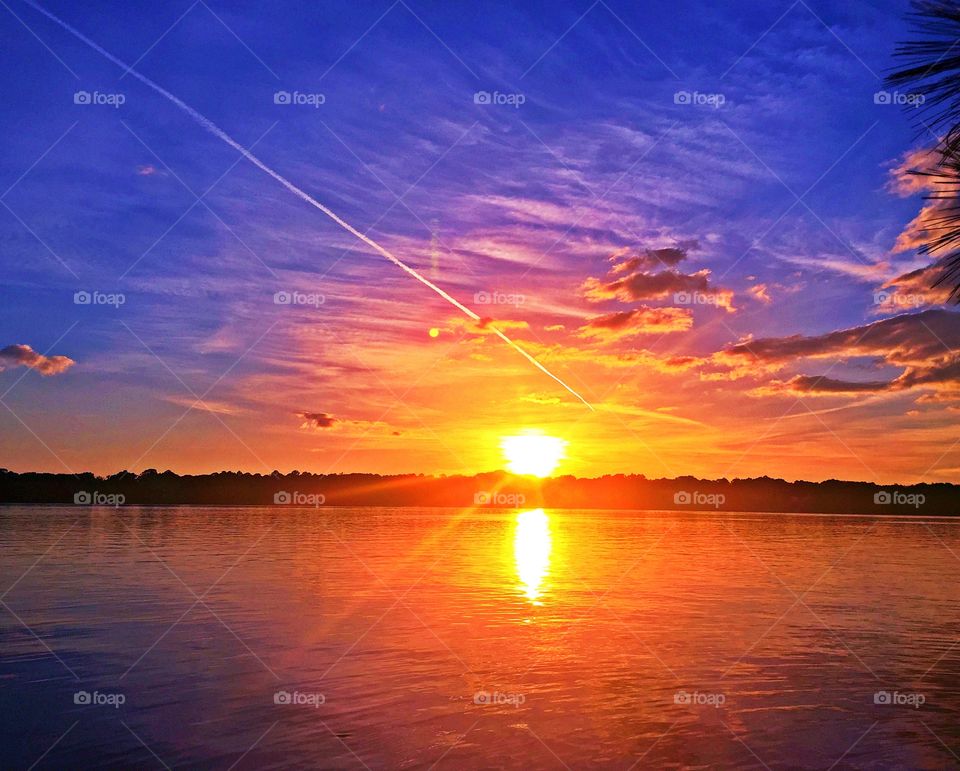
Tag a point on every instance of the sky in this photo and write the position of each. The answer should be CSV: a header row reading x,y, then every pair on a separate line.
x,y
696,215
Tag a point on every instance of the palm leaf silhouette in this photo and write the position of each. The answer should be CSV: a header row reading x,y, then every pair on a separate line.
x,y
932,69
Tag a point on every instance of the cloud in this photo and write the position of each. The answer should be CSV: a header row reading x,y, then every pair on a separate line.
x,y
634,277
925,346
919,172
25,356
904,179
317,420
640,285
819,385
857,265
207,405
484,326
910,339
914,289
502,324
324,421
938,398
651,258
760,293
538,398
667,364
923,228
639,321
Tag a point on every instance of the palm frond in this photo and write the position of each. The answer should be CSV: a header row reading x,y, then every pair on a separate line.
x,y
931,68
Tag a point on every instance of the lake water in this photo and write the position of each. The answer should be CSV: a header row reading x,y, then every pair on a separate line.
x,y
344,638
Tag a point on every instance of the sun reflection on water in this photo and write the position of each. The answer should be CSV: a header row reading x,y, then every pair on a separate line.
x,y
531,552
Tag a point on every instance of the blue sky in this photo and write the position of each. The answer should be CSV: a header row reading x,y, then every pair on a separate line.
x,y
598,159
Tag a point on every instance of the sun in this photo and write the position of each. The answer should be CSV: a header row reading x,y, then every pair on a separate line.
x,y
532,453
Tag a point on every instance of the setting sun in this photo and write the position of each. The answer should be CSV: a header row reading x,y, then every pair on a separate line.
x,y
533,454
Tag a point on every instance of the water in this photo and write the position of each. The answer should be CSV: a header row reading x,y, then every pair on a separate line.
x,y
433,638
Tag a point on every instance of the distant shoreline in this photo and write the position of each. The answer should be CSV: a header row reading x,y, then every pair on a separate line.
x,y
921,517
495,491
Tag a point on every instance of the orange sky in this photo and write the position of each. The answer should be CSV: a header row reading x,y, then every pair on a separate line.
x,y
732,283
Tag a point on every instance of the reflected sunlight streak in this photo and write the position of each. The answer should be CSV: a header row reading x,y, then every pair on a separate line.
x,y
531,550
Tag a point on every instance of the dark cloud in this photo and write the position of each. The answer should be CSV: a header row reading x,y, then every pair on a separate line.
x,y
639,321
925,346
317,420
633,278
648,260
639,285
908,340
828,385
25,356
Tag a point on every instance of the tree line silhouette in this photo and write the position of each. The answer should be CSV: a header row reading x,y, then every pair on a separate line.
x,y
482,491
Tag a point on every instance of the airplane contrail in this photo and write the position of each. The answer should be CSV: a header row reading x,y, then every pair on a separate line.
x,y
214,129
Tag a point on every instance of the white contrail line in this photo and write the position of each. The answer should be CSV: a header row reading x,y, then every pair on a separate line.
x,y
214,129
